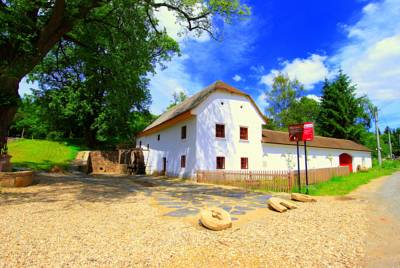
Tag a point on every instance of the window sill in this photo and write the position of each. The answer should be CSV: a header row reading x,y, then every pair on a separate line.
x,y
220,139
246,141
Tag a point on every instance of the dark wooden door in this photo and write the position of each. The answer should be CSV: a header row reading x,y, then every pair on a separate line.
x,y
164,165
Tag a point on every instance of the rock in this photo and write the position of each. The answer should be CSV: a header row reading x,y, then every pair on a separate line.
x,y
302,197
288,204
56,169
275,203
215,219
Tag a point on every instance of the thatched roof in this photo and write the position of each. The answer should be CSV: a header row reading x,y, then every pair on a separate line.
x,y
280,137
192,102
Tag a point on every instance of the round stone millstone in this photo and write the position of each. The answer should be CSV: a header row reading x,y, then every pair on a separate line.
x,y
215,219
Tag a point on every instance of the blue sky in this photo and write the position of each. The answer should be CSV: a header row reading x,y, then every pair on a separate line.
x,y
308,40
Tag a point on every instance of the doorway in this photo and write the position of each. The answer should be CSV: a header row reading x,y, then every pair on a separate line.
x,y
346,160
164,170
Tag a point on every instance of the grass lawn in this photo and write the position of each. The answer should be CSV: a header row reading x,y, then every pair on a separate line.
x,y
345,184
41,154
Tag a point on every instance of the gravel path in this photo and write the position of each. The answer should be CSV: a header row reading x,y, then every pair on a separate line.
x,y
383,237
89,222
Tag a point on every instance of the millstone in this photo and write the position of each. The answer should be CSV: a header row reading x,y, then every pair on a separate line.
x,y
302,197
275,203
215,219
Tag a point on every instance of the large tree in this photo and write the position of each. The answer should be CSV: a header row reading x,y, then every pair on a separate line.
x,y
342,113
30,29
282,95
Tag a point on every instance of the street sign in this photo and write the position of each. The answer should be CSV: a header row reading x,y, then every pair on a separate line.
x,y
296,132
301,132
308,131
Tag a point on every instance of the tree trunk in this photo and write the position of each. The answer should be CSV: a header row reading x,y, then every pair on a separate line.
x,y
9,99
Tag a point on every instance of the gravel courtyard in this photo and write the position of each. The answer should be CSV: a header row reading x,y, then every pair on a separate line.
x,y
120,221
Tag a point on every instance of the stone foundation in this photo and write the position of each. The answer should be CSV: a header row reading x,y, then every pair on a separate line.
x,y
16,179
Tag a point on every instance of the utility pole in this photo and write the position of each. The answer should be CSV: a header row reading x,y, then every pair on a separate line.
x,y
378,143
390,146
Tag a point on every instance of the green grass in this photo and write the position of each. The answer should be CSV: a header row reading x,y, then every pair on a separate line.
x,y
41,154
345,184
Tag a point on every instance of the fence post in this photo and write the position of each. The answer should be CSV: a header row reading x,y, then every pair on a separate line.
x,y
289,176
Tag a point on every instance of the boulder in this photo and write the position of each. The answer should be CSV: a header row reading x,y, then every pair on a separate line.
x,y
215,219
302,197
275,204
288,204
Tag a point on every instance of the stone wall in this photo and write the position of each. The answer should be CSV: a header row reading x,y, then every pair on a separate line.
x,y
16,179
107,162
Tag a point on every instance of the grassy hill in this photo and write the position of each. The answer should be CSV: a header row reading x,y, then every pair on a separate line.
x,y
41,154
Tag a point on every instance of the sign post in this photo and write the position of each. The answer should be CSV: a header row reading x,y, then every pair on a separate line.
x,y
296,134
308,135
301,132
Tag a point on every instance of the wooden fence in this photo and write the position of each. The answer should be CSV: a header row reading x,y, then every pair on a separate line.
x,y
277,181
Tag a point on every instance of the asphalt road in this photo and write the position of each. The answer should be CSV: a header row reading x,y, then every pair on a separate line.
x,y
383,241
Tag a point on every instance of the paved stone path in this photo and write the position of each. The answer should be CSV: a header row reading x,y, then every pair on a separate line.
x,y
184,199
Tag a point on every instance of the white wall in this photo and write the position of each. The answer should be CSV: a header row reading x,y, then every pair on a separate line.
x,y
201,147
172,147
235,112
284,157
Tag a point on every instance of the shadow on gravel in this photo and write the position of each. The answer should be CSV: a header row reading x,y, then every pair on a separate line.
x,y
87,188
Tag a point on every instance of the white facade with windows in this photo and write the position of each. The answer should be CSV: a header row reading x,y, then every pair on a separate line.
x,y
224,131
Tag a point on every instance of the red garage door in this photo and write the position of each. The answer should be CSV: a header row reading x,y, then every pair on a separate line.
x,y
346,160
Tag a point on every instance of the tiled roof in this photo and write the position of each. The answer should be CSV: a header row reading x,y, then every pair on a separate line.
x,y
280,137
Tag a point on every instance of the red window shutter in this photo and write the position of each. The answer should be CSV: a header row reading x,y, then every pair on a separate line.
x,y
244,133
244,163
220,162
183,132
183,161
220,131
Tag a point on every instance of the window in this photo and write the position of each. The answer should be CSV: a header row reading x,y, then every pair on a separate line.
x,y
148,146
158,137
183,132
244,163
183,161
244,133
220,162
220,131
140,144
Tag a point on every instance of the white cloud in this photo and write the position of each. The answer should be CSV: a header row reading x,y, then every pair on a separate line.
x,y
314,97
237,78
167,81
167,19
371,55
308,71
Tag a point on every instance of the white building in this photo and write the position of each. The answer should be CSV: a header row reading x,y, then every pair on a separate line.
x,y
220,127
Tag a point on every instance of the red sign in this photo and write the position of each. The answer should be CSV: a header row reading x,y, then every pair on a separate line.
x,y
308,131
301,132
296,132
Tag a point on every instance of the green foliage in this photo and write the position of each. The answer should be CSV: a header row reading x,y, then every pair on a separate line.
x,y
40,154
281,97
97,54
342,114
178,97
345,184
303,110
285,106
